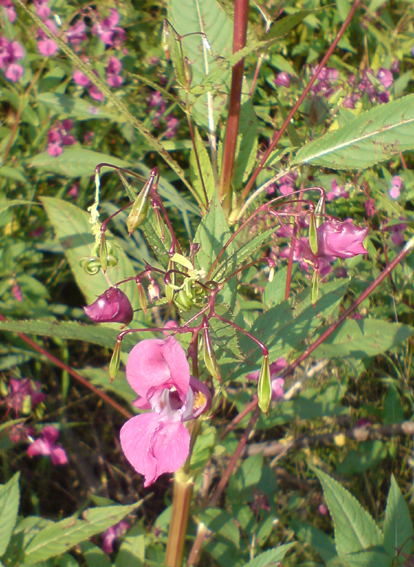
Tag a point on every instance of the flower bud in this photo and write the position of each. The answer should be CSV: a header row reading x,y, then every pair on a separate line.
x,y
264,386
113,306
282,80
341,239
115,361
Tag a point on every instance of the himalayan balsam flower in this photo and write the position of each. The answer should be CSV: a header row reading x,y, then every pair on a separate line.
x,y
157,442
82,80
45,446
341,239
323,510
108,29
59,136
113,306
76,34
9,9
46,46
396,184
113,78
20,390
111,534
277,382
172,126
396,231
336,191
282,80
42,8
10,52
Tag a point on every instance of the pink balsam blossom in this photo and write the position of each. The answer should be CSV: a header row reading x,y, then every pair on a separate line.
x,y
111,534
336,191
42,8
282,80
113,306
341,239
76,34
396,184
46,447
19,390
47,47
157,442
10,52
108,29
113,78
59,136
277,382
9,9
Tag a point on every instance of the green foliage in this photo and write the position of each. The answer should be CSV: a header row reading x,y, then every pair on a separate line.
x,y
271,557
9,507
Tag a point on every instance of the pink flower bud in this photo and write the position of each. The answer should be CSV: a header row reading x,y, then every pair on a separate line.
x,y
282,80
113,306
341,239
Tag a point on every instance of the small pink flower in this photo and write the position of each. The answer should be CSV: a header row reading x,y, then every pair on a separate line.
x,y
47,47
10,52
9,9
20,390
155,98
277,382
396,184
59,136
81,79
42,8
157,442
396,231
113,306
341,239
172,127
74,191
282,80
108,30
96,94
385,77
336,191
111,534
323,510
113,69
45,446
17,292
76,34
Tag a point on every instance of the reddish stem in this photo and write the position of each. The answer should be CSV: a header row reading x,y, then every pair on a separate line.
x,y
241,12
300,100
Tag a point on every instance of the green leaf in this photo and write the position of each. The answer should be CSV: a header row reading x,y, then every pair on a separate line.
x,y
63,535
75,162
363,338
212,233
246,145
398,527
270,558
321,543
355,529
206,169
73,231
160,244
372,137
94,555
368,559
209,17
367,455
222,523
66,106
132,550
14,173
393,410
275,290
9,507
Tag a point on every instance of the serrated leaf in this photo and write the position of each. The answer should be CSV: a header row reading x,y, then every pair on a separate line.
x,y
207,175
67,106
368,559
73,231
132,550
398,526
209,17
367,455
69,330
63,535
222,523
160,244
355,529
393,410
275,290
94,555
372,137
321,542
363,338
246,146
270,558
9,507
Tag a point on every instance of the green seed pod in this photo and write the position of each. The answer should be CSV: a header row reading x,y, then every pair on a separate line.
x,y
183,301
209,357
264,386
315,287
320,211
142,297
313,236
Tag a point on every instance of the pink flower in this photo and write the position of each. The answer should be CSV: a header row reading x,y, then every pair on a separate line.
x,y
112,533
42,8
157,442
336,191
113,69
46,447
76,34
277,382
323,510
10,52
396,184
74,191
385,77
341,239
46,46
113,306
396,231
20,390
20,433
108,31
59,136
282,80
172,126
155,98
9,9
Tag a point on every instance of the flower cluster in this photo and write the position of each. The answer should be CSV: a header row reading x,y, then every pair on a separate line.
x,y
9,9
156,101
113,78
59,136
22,394
10,53
367,86
336,191
396,184
157,442
108,30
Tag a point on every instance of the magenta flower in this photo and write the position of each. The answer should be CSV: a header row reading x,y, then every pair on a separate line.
x,y
17,292
20,390
108,29
341,239
59,136
76,34
113,306
111,534
396,184
21,433
385,78
323,510
9,9
336,191
396,231
113,78
74,191
47,47
155,98
282,80
82,80
157,442
277,382
172,126
10,52
42,8
45,446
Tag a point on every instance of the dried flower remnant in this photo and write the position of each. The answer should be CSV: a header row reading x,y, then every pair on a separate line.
x,y
20,390
113,306
157,442
10,53
46,446
369,207
111,534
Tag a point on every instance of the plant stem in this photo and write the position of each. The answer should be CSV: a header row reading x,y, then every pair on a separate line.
x,y
241,11
183,492
300,100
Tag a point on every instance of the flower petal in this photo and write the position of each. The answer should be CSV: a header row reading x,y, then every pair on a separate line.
x,y
176,359
154,444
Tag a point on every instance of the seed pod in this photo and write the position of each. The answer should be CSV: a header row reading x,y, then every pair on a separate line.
x,y
115,361
264,386
142,296
313,237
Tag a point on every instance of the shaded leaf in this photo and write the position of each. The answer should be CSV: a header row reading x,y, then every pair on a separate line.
x,y
398,527
270,558
9,507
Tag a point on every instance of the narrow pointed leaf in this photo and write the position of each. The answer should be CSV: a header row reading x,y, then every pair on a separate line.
x,y
398,527
9,507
